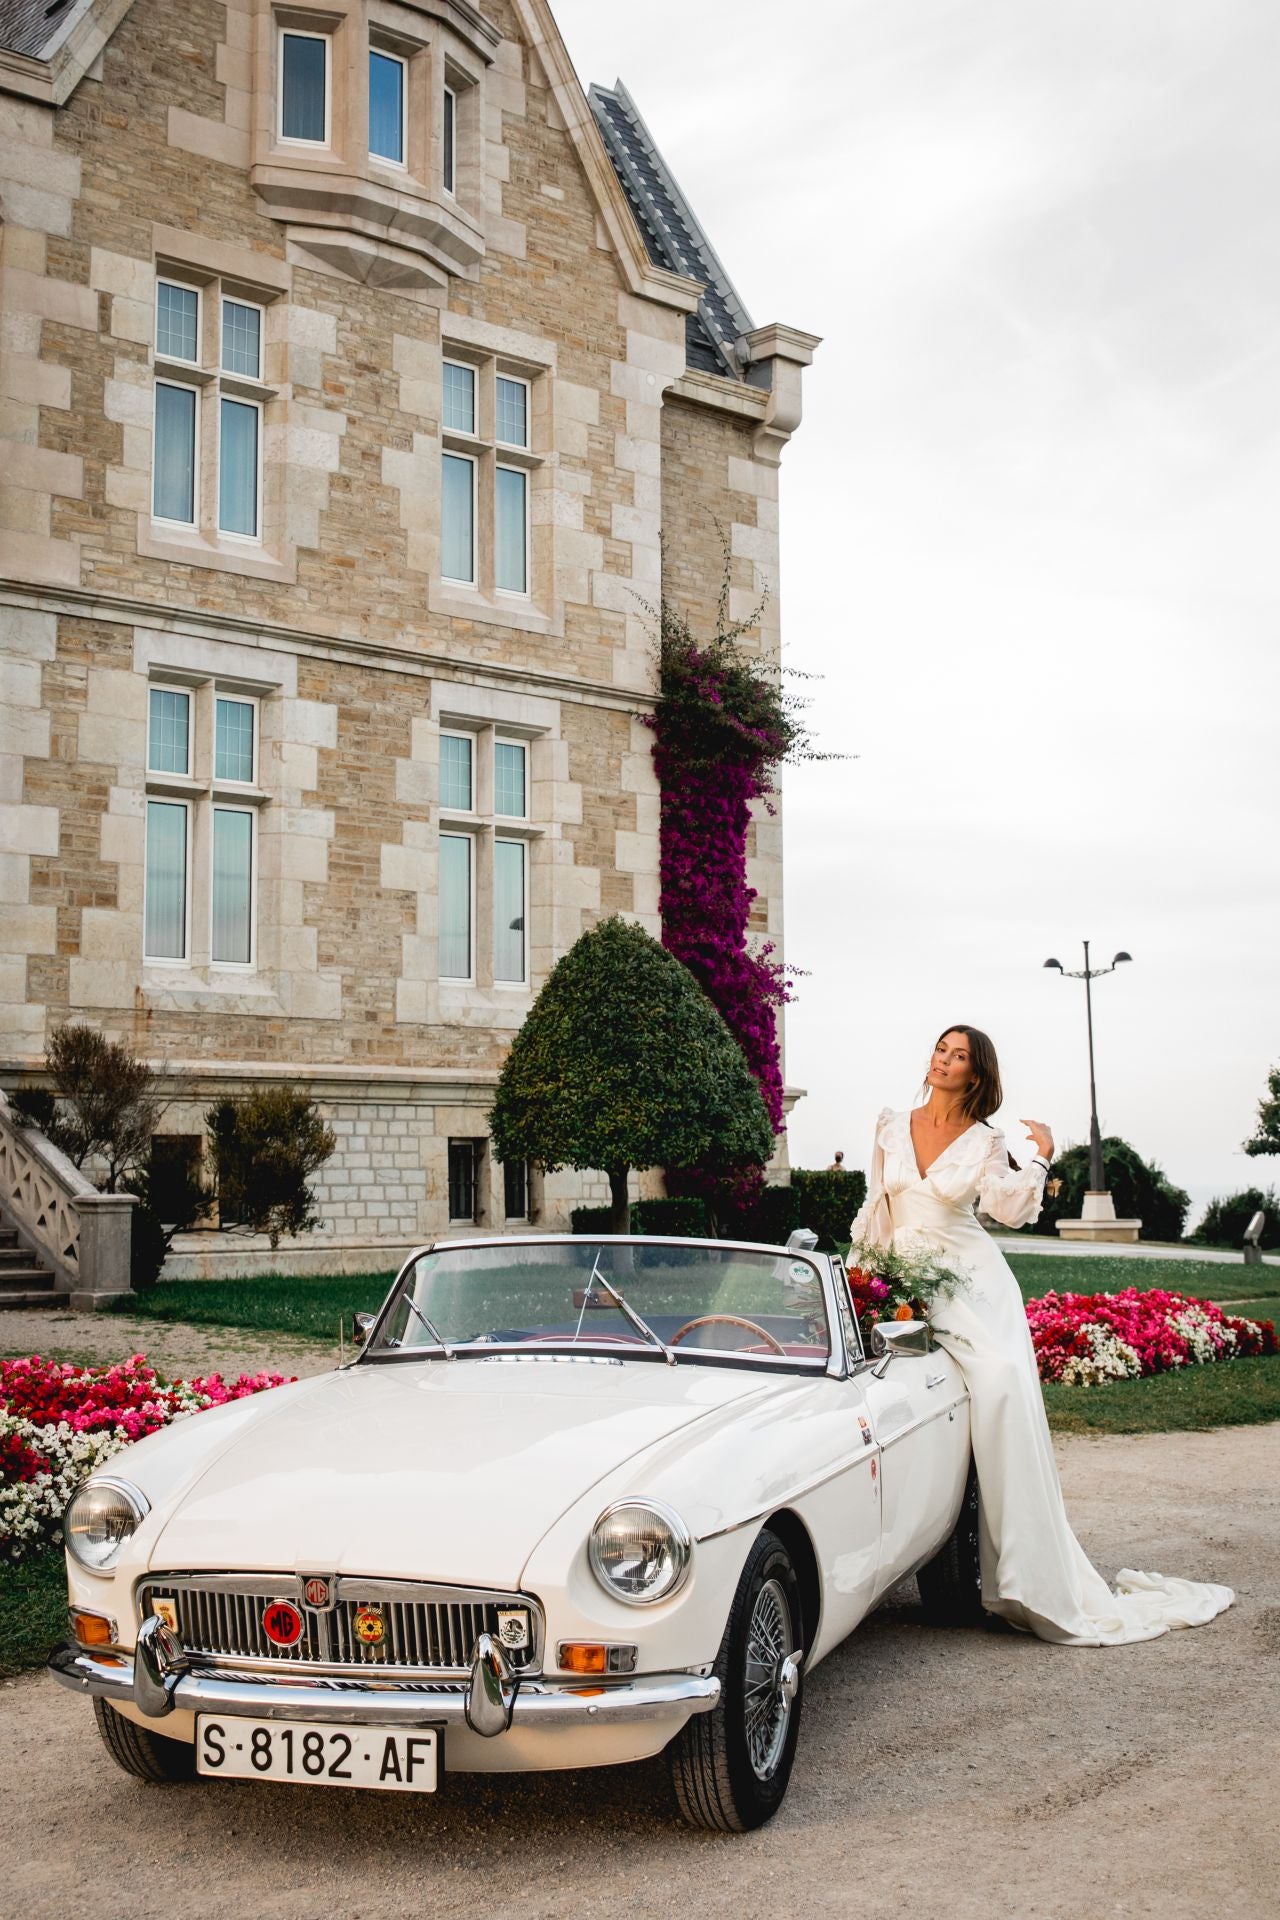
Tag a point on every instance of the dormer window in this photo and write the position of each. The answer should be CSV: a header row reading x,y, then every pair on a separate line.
x,y
388,107
305,107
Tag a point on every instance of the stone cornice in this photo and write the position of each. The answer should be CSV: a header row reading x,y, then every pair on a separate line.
x,y
121,610
67,58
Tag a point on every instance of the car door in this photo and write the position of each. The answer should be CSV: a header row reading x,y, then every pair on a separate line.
x,y
919,1408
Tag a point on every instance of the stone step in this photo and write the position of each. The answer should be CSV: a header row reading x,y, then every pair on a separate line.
x,y
8,1236
24,1280
15,1256
10,1301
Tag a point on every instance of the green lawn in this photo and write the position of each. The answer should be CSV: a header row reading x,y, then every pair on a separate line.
x,y
1231,1393
33,1611
275,1303
1219,1280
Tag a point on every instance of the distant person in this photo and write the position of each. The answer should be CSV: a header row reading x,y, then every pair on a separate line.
x,y
929,1166
837,1165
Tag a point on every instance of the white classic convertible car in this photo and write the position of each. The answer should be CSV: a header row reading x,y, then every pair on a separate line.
x,y
574,1502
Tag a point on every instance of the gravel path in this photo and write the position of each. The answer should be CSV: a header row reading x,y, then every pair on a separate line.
x,y
976,1776
177,1351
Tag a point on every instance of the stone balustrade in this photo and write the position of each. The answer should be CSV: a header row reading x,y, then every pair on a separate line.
x,y
85,1236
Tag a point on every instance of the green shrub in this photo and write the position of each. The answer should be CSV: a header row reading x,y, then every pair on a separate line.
x,y
673,1219
624,1063
827,1200
265,1148
1226,1219
1139,1189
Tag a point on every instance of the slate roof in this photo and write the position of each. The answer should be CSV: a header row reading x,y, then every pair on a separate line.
x,y
27,26
672,235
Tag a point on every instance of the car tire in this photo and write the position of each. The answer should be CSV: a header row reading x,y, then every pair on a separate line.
x,y
146,1755
951,1583
730,1767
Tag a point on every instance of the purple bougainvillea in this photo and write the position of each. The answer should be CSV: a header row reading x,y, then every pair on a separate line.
x,y
722,728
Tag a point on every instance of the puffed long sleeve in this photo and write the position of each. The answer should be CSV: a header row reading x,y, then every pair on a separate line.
x,y
1011,1195
869,1223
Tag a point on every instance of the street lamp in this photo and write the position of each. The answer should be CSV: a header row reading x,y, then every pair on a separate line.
x,y
1097,1183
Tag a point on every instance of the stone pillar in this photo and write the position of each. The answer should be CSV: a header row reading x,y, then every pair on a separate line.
x,y
106,1238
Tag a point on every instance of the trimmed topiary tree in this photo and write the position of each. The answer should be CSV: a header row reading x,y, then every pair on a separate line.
x,y
1139,1188
1267,1139
623,1064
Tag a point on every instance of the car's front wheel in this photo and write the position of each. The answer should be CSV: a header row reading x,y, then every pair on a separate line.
x,y
730,1767
146,1755
951,1583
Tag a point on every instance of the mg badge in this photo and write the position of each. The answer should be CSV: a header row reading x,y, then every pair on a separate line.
x,y
282,1623
316,1593
370,1627
513,1627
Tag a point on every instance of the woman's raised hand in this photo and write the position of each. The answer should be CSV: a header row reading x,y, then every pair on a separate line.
x,y
1041,1135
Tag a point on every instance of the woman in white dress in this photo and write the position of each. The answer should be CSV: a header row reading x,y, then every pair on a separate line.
x,y
929,1168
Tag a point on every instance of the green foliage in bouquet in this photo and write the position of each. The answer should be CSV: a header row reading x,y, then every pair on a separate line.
x,y
890,1283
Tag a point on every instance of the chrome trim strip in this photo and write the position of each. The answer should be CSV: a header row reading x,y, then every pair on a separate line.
x,y
536,1703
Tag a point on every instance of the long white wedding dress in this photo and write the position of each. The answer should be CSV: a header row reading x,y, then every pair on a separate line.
x,y
1034,1571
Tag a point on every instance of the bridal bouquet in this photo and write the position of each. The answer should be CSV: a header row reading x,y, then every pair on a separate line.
x,y
893,1283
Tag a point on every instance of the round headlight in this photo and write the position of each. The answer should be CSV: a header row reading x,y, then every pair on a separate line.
x,y
99,1520
640,1551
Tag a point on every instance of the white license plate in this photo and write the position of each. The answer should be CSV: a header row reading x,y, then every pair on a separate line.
x,y
228,1748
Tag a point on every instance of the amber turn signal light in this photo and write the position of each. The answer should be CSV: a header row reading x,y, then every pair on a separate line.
x,y
92,1629
587,1656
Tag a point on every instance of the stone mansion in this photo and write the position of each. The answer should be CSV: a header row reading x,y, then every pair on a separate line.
x,y
365,383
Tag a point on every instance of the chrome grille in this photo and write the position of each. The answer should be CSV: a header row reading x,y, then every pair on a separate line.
x,y
428,1629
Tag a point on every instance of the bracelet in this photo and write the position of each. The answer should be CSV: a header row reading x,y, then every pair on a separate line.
x,y
1038,1160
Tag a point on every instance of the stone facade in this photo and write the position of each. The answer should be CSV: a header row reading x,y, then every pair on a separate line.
x,y
145,154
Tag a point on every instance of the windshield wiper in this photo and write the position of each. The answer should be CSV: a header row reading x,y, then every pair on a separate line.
x,y
448,1351
642,1326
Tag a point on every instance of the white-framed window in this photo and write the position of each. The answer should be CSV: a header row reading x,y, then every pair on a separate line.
x,y
458,519
457,772
489,464
219,335
485,838
176,454
511,779
457,906
201,867
304,104
512,401
449,142
511,530
388,107
166,908
233,862
510,913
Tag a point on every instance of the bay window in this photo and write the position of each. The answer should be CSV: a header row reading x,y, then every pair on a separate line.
x,y
305,87
388,106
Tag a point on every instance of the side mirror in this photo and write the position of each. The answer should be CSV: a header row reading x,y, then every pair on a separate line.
x,y
361,1323
892,1337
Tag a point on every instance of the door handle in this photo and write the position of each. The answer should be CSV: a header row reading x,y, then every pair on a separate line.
x,y
935,1379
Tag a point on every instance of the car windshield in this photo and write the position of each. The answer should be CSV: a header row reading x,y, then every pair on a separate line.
x,y
660,1299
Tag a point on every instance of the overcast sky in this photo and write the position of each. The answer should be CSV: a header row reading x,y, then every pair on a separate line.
x,y
1028,530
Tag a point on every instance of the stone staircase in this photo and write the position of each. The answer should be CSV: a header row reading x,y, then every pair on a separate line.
x,y
25,1281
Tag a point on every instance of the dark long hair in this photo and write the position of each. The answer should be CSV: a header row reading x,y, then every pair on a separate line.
x,y
986,1094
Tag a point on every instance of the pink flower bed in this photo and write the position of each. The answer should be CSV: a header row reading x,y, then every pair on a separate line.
x,y
1085,1339
59,1422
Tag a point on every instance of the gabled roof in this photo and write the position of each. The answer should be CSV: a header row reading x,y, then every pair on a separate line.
x,y
672,234
47,46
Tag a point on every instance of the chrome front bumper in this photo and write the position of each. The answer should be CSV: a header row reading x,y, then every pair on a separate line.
x,y
160,1680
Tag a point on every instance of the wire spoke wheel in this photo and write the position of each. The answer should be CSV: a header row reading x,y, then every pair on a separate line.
x,y
766,1708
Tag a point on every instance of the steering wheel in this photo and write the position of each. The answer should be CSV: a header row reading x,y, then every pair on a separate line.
x,y
734,1319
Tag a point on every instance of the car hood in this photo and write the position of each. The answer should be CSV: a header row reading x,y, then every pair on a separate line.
x,y
432,1470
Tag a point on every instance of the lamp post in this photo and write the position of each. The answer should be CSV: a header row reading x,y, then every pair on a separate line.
x,y
1097,1182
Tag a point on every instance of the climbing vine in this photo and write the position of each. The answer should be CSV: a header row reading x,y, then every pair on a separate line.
x,y
723,727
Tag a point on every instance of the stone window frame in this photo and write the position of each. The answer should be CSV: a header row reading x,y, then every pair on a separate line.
x,y
482,597
203,794
485,827
204,543
342,191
